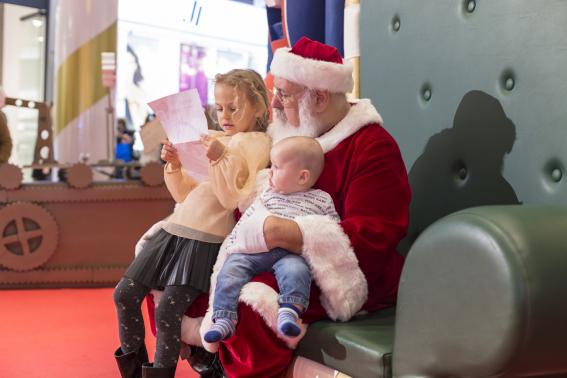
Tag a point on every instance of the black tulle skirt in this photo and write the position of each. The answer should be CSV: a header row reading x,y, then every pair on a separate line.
x,y
168,260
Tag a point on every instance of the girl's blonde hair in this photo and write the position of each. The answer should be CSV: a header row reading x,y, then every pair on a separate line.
x,y
3,119
251,84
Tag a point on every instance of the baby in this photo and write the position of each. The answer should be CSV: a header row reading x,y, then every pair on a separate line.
x,y
297,163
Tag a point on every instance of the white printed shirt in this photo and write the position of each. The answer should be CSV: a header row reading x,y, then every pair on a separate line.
x,y
289,206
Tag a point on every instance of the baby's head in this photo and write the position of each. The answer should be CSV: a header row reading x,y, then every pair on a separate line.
x,y
241,101
297,163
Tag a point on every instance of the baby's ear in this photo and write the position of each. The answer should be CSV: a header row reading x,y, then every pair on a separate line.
x,y
304,176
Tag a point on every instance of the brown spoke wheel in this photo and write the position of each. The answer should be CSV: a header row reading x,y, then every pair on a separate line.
x,y
28,236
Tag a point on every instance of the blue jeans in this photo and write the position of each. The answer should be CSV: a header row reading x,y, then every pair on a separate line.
x,y
291,271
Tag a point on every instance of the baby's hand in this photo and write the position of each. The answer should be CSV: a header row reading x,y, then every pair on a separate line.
x,y
169,154
214,149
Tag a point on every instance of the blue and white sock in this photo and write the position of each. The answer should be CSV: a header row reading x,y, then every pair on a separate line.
x,y
222,329
287,320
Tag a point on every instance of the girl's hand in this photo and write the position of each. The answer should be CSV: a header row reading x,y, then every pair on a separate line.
x,y
213,148
169,154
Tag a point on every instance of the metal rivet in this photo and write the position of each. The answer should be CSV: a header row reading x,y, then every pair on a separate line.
x,y
31,104
556,174
19,102
471,5
396,23
509,83
426,92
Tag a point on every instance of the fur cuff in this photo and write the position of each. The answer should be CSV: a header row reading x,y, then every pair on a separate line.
x,y
334,266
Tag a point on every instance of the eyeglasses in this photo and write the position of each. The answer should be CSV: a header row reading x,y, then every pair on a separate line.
x,y
285,97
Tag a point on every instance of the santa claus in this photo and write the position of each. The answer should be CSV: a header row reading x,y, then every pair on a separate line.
x,y
355,264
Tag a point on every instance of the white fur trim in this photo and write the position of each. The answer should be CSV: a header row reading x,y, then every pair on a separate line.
x,y
314,74
361,113
334,266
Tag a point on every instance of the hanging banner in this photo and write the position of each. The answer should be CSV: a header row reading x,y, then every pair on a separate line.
x,y
84,30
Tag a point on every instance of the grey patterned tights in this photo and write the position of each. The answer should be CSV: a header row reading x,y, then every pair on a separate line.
x,y
128,297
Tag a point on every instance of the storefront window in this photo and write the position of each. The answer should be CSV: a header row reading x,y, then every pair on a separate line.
x,y
183,45
22,73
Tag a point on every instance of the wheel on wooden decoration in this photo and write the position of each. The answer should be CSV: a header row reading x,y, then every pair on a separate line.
x,y
10,176
28,236
80,176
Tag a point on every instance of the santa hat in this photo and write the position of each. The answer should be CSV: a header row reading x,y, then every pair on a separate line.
x,y
313,64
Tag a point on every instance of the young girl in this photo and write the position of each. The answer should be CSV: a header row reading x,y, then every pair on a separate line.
x,y
180,257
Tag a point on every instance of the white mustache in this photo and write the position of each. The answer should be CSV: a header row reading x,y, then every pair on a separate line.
x,y
308,125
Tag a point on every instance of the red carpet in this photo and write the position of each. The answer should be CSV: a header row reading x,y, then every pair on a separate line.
x,y
67,333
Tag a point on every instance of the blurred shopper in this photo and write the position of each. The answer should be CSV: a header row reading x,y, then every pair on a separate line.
x,y
124,152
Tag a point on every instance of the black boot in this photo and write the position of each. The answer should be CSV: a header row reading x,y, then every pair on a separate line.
x,y
217,371
207,364
149,371
130,364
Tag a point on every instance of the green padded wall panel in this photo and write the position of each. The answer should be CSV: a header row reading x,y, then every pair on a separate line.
x,y
475,93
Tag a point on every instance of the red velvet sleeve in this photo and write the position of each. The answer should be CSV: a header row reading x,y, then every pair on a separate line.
x,y
375,208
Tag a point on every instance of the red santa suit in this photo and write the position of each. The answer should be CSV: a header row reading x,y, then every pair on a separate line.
x,y
355,264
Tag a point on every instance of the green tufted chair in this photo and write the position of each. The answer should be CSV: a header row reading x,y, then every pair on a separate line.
x,y
475,93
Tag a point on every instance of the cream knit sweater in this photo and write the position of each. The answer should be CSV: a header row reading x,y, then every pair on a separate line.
x,y
205,210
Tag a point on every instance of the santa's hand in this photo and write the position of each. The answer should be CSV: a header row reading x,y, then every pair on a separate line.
x,y
147,236
249,237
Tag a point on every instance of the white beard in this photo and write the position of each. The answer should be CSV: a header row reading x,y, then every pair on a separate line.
x,y
280,129
309,126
